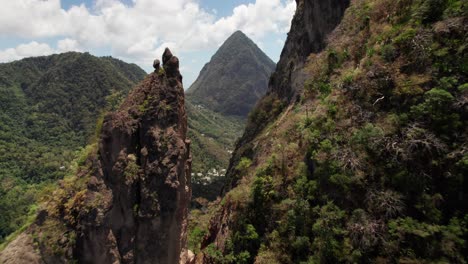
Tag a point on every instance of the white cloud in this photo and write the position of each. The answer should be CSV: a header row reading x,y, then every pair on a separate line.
x,y
139,31
31,49
67,44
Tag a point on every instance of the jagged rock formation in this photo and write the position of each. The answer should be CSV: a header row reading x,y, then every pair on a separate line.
x,y
146,168
129,203
235,78
313,21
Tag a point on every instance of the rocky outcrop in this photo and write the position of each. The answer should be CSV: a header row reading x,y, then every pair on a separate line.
x,y
133,207
313,21
20,251
145,161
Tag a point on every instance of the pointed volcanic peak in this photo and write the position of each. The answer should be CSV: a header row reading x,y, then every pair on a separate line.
x,y
235,78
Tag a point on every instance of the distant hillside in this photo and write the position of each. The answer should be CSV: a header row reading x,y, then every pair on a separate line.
x,y
235,78
49,108
217,106
213,137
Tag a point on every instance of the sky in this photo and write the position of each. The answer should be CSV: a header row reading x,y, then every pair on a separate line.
x,y
137,31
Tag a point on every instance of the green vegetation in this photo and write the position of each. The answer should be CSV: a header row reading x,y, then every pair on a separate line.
x,y
213,137
374,168
218,103
50,107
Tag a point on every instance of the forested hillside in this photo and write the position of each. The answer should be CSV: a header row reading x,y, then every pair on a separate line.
x,y
213,137
358,154
49,109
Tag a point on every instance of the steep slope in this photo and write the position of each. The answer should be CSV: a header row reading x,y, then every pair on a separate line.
x,y
358,152
235,78
128,202
49,107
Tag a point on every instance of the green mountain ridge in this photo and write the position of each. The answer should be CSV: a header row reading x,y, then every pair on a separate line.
x,y
50,106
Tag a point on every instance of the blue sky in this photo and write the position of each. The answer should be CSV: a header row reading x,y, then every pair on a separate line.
x,y
137,31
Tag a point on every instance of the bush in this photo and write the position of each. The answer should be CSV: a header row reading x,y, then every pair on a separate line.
x,y
437,107
429,11
368,136
389,53
195,238
328,229
244,165
428,241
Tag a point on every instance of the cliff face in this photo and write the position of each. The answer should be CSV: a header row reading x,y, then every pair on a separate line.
x,y
145,161
313,21
129,201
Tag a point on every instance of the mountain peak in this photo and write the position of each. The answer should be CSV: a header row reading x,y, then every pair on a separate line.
x,y
238,33
235,78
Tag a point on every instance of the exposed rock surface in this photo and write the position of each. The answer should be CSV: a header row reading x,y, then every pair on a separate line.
x,y
145,160
313,21
20,251
133,207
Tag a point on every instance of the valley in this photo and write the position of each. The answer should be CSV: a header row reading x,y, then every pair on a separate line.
x,y
351,149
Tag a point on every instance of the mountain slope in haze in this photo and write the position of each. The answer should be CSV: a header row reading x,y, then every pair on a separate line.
x,y
217,106
49,108
358,153
213,137
235,78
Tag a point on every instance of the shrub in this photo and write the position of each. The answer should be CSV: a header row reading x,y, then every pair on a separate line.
x,y
328,230
429,11
214,253
433,242
456,8
386,204
364,232
437,107
244,165
405,37
301,247
195,238
304,187
244,241
389,53
368,136
464,87
131,170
